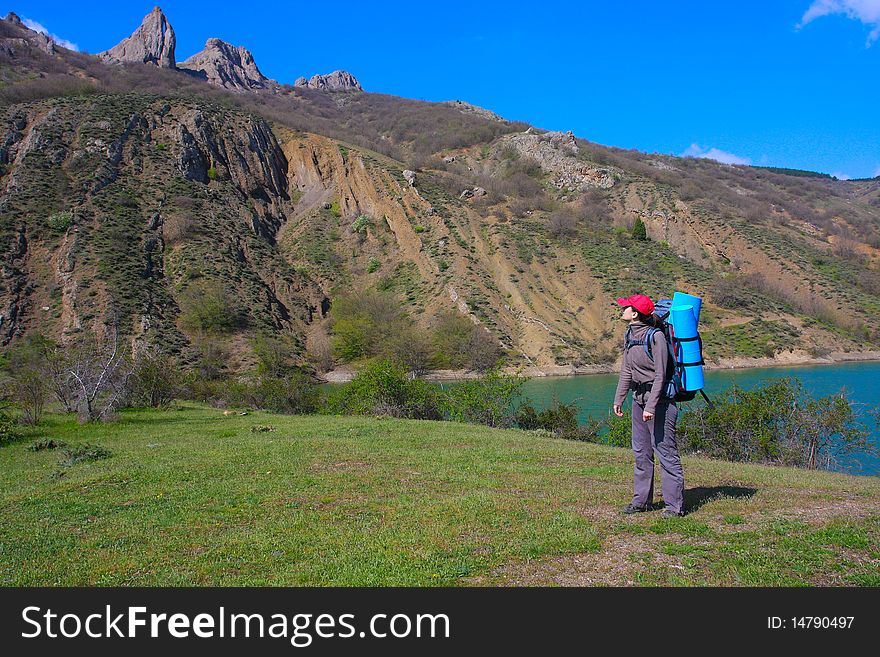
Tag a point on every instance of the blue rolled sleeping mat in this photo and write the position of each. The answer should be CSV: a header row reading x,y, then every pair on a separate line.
x,y
682,299
686,338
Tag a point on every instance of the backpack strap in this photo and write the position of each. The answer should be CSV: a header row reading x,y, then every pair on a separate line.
x,y
649,342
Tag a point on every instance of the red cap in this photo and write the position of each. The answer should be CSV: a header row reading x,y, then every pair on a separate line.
x,y
638,301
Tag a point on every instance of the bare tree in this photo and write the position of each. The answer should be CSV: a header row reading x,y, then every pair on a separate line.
x,y
100,370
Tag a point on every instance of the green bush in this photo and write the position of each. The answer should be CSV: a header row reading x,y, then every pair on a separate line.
x,y
619,431
775,423
365,323
83,453
384,387
639,232
208,309
487,400
294,394
45,443
274,355
154,382
558,418
361,224
462,344
373,265
60,221
8,429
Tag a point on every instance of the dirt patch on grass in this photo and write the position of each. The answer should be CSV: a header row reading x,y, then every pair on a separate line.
x,y
622,558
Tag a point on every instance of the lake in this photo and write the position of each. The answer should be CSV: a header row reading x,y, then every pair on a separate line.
x,y
593,394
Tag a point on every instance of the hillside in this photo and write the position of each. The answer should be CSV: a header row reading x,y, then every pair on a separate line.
x,y
191,497
130,192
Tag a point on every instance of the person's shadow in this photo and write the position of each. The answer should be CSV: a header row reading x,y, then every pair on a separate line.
x,y
694,498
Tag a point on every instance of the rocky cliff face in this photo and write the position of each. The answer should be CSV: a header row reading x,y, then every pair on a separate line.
x,y
9,45
227,66
152,43
146,201
335,81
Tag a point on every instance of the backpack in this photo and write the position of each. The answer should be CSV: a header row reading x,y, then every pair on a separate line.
x,y
673,388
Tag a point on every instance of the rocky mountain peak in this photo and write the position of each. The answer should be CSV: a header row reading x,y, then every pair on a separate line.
x,y
28,38
335,81
152,43
225,65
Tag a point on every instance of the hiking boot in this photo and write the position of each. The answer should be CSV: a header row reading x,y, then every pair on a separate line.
x,y
668,513
631,508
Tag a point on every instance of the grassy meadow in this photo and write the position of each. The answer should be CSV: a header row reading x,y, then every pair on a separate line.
x,y
191,496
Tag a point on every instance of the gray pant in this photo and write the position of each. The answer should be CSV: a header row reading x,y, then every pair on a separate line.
x,y
657,435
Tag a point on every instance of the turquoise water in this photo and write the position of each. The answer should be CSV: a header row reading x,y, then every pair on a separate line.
x,y
594,394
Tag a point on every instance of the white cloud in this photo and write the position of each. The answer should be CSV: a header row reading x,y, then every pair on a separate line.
x,y
877,173
695,150
841,176
37,27
865,11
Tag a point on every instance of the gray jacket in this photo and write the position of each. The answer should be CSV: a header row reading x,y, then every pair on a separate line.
x,y
638,368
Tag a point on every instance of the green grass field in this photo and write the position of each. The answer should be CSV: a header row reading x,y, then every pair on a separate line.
x,y
193,497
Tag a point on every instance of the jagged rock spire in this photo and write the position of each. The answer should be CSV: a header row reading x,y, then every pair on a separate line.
x,y
226,66
152,43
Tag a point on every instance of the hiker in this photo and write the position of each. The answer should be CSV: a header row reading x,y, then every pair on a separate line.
x,y
653,415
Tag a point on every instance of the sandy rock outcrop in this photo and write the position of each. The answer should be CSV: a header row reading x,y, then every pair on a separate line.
x,y
556,153
152,43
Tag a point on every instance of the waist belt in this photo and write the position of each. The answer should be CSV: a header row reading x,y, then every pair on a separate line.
x,y
640,388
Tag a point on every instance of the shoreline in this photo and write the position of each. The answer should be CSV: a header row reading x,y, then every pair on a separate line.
x,y
788,359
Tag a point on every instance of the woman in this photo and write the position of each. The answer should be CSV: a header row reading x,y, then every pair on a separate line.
x,y
653,415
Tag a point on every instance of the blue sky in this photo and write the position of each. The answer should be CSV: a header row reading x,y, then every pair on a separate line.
x,y
792,83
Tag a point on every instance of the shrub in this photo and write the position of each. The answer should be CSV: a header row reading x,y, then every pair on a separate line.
x,y
775,423
45,443
412,348
274,356
365,322
177,228
211,358
373,265
212,173
155,380
562,224
361,224
619,431
383,387
487,400
83,453
8,430
461,343
60,221
559,418
639,232
294,394
28,366
731,292
208,309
